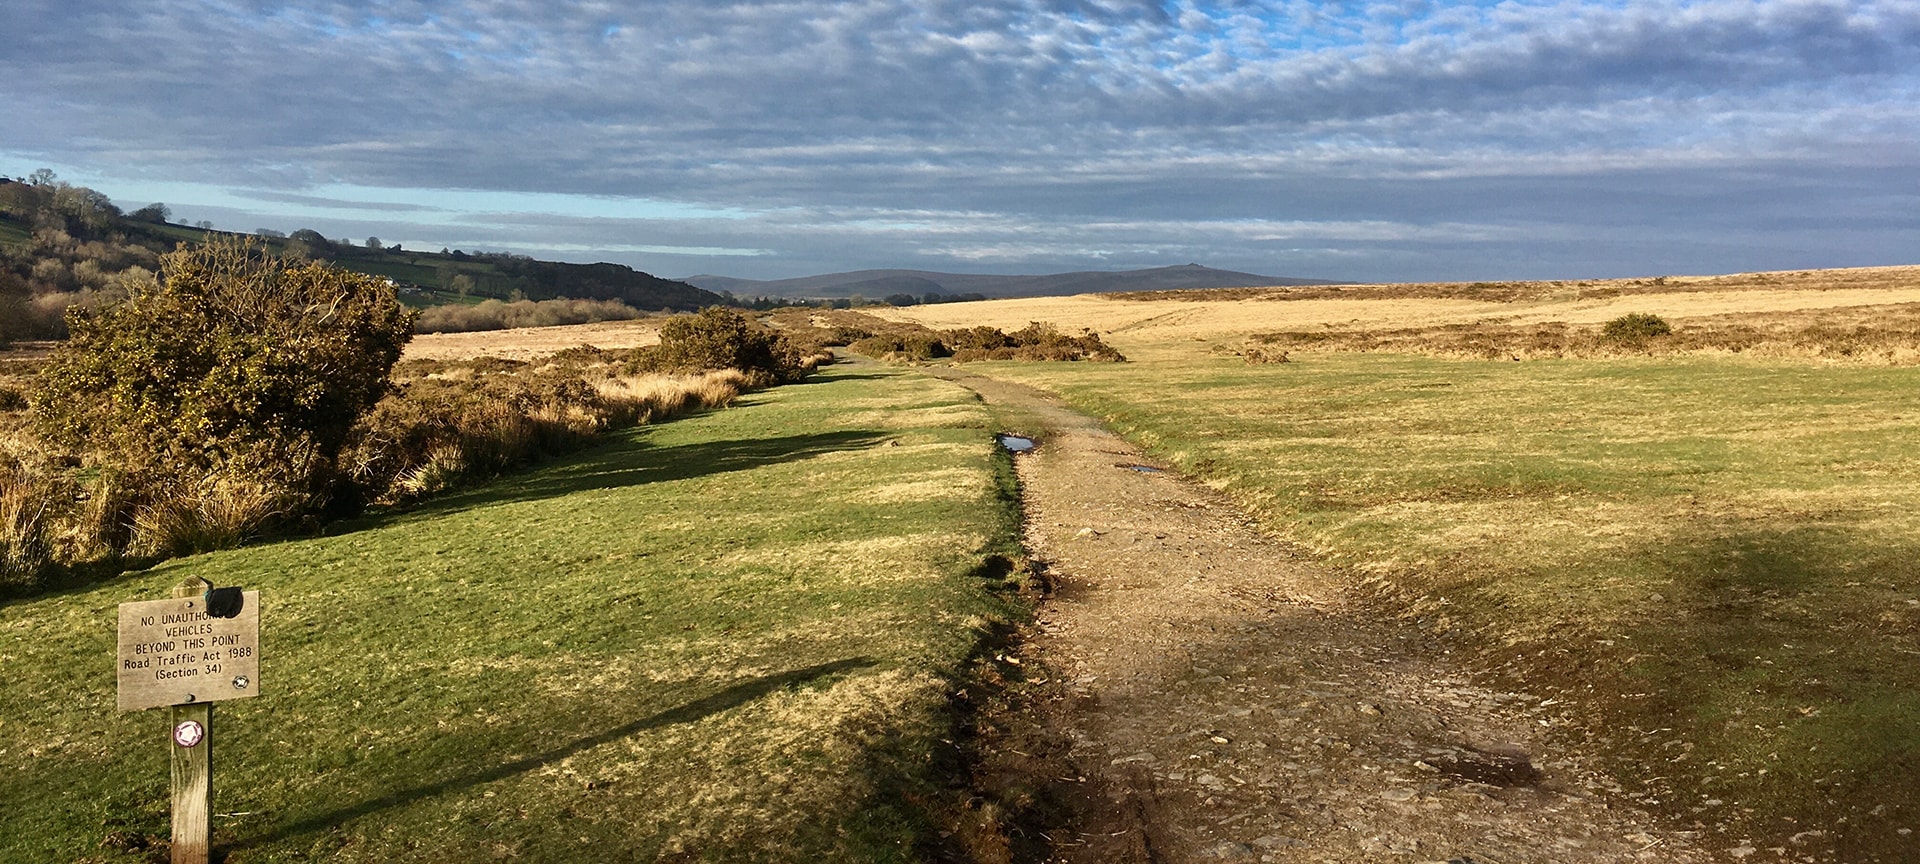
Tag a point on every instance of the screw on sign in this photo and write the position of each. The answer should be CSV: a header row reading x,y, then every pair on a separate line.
x,y
185,653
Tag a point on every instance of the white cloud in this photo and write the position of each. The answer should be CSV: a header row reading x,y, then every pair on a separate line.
x,y
1049,116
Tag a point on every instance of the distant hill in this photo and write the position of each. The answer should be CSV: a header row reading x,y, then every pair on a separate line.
x,y
878,284
93,228
436,277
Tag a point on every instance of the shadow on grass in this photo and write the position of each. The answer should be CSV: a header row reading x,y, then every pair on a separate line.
x,y
1781,655
732,697
625,462
837,377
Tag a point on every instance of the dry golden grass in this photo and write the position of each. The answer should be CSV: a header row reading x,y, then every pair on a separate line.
x,y
1700,540
1165,324
1882,334
657,397
528,343
217,512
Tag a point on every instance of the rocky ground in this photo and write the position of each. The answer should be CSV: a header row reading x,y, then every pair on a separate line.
x,y
1201,692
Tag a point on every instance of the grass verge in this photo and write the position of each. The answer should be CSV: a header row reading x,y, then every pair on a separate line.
x,y
731,637
1708,560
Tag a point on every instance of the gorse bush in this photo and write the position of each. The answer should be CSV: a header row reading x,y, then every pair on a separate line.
x,y
1635,327
1036,341
233,364
912,347
718,338
846,335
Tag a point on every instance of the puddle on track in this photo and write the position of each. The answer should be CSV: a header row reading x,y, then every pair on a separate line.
x,y
1015,443
1144,469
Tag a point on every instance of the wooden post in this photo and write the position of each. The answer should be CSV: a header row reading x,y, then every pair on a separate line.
x,y
190,739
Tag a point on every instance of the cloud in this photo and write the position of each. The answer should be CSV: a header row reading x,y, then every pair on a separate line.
x,y
1062,119
335,203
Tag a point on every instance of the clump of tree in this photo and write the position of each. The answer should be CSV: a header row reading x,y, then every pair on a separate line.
x,y
226,387
62,245
720,338
931,297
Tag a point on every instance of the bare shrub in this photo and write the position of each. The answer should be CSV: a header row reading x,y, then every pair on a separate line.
x,y
457,421
498,315
846,335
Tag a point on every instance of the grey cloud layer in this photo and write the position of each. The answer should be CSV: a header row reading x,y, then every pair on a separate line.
x,y
1083,128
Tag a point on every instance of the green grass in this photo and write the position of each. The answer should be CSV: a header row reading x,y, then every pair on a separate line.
x,y
1712,559
729,637
180,233
13,233
395,268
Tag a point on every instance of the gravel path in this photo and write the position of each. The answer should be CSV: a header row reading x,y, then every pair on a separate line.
x,y
1217,697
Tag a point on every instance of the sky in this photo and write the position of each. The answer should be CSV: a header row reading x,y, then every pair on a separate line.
x,y
1369,141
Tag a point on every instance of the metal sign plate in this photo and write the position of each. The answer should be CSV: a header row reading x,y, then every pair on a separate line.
x,y
173,653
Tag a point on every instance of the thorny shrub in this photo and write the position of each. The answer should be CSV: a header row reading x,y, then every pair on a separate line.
x,y
718,338
1635,327
234,364
1036,341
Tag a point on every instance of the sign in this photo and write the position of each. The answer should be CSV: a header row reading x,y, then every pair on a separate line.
x,y
172,652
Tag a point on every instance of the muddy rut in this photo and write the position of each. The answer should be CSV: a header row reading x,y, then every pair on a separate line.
x,y
1215,696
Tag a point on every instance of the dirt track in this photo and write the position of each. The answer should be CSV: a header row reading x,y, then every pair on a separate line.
x,y
1216,697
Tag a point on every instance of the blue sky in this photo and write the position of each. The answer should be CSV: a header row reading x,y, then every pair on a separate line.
x,y
1359,140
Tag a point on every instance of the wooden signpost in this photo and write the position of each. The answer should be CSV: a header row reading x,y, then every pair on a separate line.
x,y
200,647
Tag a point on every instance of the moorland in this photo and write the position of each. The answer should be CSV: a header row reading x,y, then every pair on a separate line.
x,y
1697,544
764,625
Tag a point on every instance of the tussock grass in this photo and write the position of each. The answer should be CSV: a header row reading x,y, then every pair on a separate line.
x,y
26,526
215,512
697,642
1707,558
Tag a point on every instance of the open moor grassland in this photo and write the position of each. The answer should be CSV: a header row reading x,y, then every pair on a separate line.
x,y
1707,556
